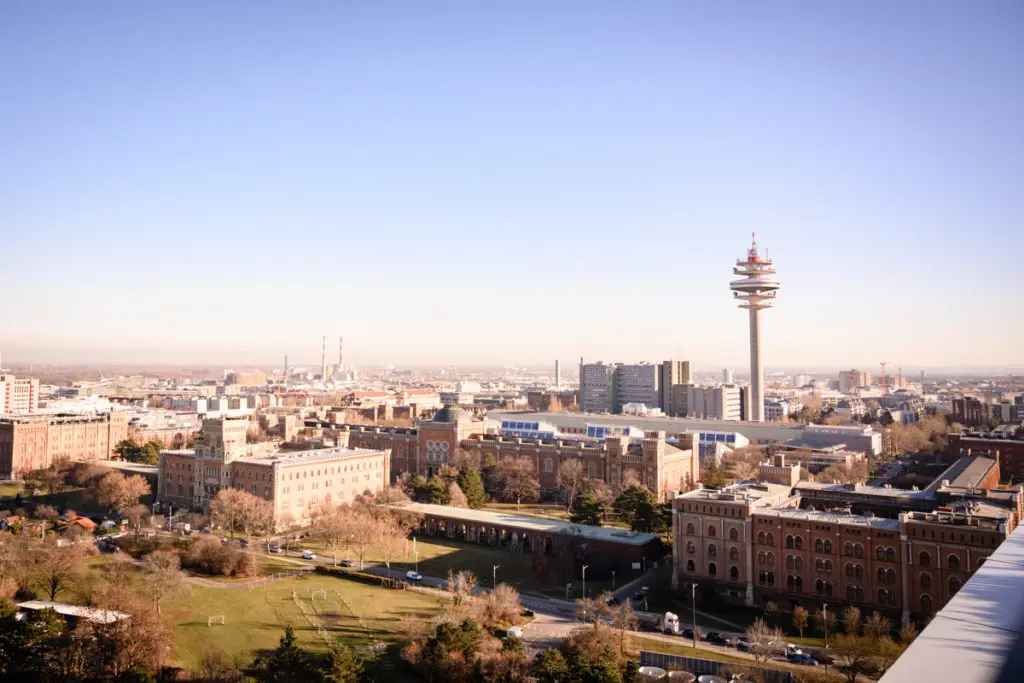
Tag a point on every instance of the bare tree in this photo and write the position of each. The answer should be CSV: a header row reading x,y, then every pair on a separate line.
x,y
461,584
331,527
592,609
388,539
45,514
800,619
624,619
56,569
856,654
165,577
136,516
120,492
518,480
764,640
877,626
571,479
851,620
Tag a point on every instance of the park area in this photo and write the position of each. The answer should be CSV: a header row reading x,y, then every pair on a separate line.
x,y
321,609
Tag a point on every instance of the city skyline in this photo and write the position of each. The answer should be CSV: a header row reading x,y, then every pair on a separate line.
x,y
193,184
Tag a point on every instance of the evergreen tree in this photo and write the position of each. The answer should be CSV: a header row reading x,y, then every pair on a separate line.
x,y
549,666
473,487
342,665
437,491
287,663
586,509
634,501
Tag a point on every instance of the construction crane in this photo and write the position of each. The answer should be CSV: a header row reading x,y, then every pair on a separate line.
x,y
884,386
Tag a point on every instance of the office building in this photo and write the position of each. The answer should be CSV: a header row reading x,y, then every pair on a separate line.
x,y
755,292
18,396
714,403
34,442
971,412
673,373
774,411
596,387
636,383
727,376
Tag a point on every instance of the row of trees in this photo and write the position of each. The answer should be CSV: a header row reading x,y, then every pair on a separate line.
x,y
132,451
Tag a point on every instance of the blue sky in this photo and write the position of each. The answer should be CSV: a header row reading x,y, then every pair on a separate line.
x,y
510,182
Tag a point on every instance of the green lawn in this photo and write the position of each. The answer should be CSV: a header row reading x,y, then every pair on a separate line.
x,y
9,489
438,556
545,511
255,618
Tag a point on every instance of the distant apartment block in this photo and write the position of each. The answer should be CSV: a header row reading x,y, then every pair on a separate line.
x,y
851,379
596,393
971,412
774,411
723,402
33,442
18,395
607,388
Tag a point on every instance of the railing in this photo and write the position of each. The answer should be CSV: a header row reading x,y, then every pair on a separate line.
x,y
711,667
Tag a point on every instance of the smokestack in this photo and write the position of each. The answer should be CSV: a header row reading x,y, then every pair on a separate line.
x,y
323,358
341,364
558,375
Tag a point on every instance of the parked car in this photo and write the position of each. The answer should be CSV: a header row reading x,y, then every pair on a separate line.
x,y
273,547
801,658
743,645
514,632
308,555
639,595
716,638
687,633
413,576
347,563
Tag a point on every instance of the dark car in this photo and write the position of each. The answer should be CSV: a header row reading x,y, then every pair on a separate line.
x,y
687,633
613,601
639,595
801,658
347,563
716,638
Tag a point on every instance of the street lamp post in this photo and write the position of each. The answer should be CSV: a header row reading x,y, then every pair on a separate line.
x,y
494,577
824,621
613,579
584,581
693,613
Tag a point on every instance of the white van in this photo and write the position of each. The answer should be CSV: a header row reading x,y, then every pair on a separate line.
x,y
669,623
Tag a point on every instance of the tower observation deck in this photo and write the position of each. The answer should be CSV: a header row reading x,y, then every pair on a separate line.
x,y
755,291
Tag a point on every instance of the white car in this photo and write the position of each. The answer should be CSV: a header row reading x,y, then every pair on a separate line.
x,y
514,632
308,555
414,576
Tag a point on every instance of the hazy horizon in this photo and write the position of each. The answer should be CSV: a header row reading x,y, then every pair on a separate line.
x,y
482,184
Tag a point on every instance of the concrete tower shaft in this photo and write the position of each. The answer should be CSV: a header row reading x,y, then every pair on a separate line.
x,y
755,291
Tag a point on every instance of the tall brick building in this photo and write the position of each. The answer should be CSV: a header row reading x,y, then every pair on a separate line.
x,y
32,442
771,542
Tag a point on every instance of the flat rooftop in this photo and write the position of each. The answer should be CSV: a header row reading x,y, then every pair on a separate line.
x,y
977,636
863,489
93,614
536,524
751,492
305,457
967,472
833,518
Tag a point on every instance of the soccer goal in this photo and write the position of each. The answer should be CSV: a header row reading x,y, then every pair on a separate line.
x,y
210,621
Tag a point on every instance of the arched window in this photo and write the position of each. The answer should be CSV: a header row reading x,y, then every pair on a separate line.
x,y
849,570
690,529
924,559
771,578
819,547
954,585
819,587
712,569
890,575
858,550
799,542
711,531
925,581
890,555
771,538
881,575
828,566
734,535
851,594
691,548
819,565
712,550
883,597
762,558
690,566
762,578
880,553
828,547
734,554
790,561
848,549
828,588
771,558
789,541
926,604
799,564
799,583
790,582
858,572
760,537
734,573
953,563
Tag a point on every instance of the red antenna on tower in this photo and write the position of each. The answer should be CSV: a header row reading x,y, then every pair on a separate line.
x,y
752,254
